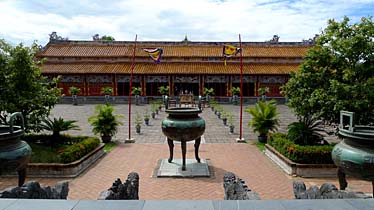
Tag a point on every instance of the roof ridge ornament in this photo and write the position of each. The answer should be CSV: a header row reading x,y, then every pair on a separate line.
x,y
275,39
53,37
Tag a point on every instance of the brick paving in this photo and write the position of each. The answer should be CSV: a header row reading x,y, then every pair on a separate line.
x,y
220,149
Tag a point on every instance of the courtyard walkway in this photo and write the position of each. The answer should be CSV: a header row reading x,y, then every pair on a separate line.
x,y
218,147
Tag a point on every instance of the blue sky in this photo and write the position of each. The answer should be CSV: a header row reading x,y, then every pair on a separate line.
x,y
171,20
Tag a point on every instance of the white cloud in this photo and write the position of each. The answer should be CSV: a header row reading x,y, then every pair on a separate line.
x,y
200,20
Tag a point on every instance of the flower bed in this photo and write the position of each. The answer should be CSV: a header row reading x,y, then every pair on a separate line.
x,y
316,154
304,161
75,159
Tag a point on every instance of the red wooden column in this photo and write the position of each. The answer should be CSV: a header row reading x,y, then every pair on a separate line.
x,y
115,92
142,84
171,86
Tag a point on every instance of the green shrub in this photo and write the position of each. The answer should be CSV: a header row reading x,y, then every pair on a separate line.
x,y
301,154
306,132
46,138
78,150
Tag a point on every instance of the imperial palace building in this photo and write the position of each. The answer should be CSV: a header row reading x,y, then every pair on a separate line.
x,y
185,66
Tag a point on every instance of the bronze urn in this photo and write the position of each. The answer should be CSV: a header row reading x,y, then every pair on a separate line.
x,y
14,153
183,124
354,155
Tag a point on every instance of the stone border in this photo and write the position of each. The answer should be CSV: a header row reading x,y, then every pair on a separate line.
x,y
302,170
69,170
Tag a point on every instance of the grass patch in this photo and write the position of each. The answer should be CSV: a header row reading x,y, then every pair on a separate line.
x,y
109,146
260,146
44,154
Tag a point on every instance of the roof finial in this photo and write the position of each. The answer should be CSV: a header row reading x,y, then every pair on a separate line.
x,y
185,40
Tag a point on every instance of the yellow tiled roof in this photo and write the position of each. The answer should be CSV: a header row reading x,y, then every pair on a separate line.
x,y
169,68
90,50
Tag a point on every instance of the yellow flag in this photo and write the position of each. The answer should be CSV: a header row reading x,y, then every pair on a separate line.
x,y
230,50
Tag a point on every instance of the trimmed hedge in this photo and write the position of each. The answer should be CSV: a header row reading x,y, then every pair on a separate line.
x,y
316,154
78,150
47,138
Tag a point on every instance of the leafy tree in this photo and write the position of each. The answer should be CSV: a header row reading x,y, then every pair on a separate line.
x,y
107,38
23,88
337,74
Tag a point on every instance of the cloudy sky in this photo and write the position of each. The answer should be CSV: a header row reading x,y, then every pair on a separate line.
x,y
171,20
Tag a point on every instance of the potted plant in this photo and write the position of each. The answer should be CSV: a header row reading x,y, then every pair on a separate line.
x,y
224,117
107,91
74,91
104,122
212,104
164,91
207,93
230,122
138,121
136,91
235,91
154,108
146,117
264,118
262,91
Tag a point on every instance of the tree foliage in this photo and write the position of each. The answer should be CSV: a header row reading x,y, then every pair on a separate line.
x,y
107,38
337,74
22,87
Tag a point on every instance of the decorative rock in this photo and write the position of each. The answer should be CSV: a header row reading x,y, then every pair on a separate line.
x,y
126,191
236,189
33,190
326,191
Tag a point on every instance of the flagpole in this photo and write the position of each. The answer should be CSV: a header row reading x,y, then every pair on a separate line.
x,y
241,90
132,70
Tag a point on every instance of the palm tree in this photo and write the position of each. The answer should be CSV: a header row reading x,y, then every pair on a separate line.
x,y
264,118
104,122
58,125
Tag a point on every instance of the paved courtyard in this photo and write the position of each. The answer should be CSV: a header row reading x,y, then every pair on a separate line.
x,y
218,148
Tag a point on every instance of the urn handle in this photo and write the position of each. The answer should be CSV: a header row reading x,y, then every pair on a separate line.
x,y
351,116
11,121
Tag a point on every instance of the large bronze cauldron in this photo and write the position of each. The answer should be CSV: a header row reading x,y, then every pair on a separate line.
x,y
355,154
183,124
14,153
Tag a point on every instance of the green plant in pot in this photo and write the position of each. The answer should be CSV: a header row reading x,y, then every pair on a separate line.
x,y
136,91
235,91
262,91
164,91
208,92
104,122
138,122
264,118
224,117
146,117
230,122
74,91
107,91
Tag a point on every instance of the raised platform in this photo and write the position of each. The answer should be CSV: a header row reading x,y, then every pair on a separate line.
x,y
297,169
342,204
174,169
